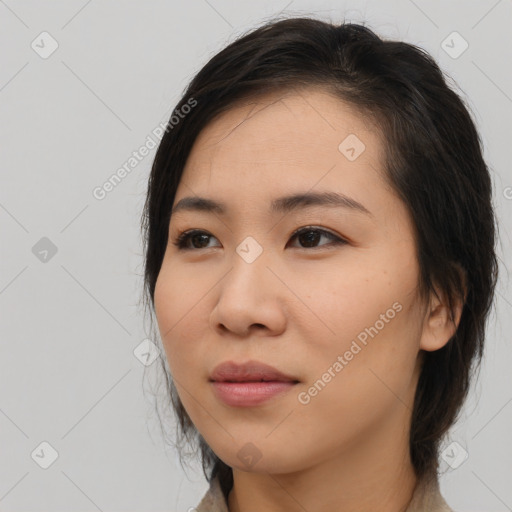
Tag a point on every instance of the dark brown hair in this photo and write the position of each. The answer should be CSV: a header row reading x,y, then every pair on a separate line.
x,y
434,163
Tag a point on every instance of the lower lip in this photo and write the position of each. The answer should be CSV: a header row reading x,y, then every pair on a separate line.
x,y
247,394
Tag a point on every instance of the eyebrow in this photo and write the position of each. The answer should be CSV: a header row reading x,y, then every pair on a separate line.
x,y
283,204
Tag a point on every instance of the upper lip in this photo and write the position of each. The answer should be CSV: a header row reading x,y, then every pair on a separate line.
x,y
251,371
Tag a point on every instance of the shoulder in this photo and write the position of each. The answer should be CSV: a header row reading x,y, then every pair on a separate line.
x,y
213,500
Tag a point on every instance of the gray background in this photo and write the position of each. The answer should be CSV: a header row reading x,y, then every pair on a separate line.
x,y
70,321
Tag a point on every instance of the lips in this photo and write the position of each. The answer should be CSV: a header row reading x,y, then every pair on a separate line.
x,y
251,371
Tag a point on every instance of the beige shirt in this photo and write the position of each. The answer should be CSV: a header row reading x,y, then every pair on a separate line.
x,y
426,498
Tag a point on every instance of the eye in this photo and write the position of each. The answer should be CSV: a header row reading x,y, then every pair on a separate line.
x,y
307,235
195,235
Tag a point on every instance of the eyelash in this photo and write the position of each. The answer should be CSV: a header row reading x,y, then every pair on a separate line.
x,y
182,239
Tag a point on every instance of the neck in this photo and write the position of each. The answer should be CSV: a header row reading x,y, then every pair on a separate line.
x,y
376,474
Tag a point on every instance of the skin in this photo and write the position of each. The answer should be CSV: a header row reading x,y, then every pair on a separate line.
x,y
298,307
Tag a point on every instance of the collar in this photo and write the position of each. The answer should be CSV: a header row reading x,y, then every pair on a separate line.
x,y
426,498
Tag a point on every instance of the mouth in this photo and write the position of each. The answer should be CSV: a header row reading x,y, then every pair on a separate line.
x,y
248,381
249,384
251,371
250,393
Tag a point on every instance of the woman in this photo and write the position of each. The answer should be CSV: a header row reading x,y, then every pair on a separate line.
x,y
320,260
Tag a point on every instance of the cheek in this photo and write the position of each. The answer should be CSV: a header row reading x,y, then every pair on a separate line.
x,y
373,384
165,305
183,316
345,300
170,311
369,320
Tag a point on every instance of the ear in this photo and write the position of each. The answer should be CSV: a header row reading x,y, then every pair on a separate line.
x,y
440,322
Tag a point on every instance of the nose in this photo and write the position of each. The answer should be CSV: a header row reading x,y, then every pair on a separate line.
x,y
250,300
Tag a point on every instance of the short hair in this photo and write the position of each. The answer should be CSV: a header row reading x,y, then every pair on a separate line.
x,y
433,161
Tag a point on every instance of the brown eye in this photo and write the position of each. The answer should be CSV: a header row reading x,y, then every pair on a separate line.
x,y
197,237
310,236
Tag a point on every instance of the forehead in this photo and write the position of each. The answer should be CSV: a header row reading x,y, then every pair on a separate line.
x,y
278,142
309,118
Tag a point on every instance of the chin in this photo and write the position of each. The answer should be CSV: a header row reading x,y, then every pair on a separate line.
x,y
261,457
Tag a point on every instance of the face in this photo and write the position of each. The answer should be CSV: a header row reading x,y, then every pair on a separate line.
x,y
325,293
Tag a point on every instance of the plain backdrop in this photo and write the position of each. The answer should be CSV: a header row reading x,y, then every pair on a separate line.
x,y
82,85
